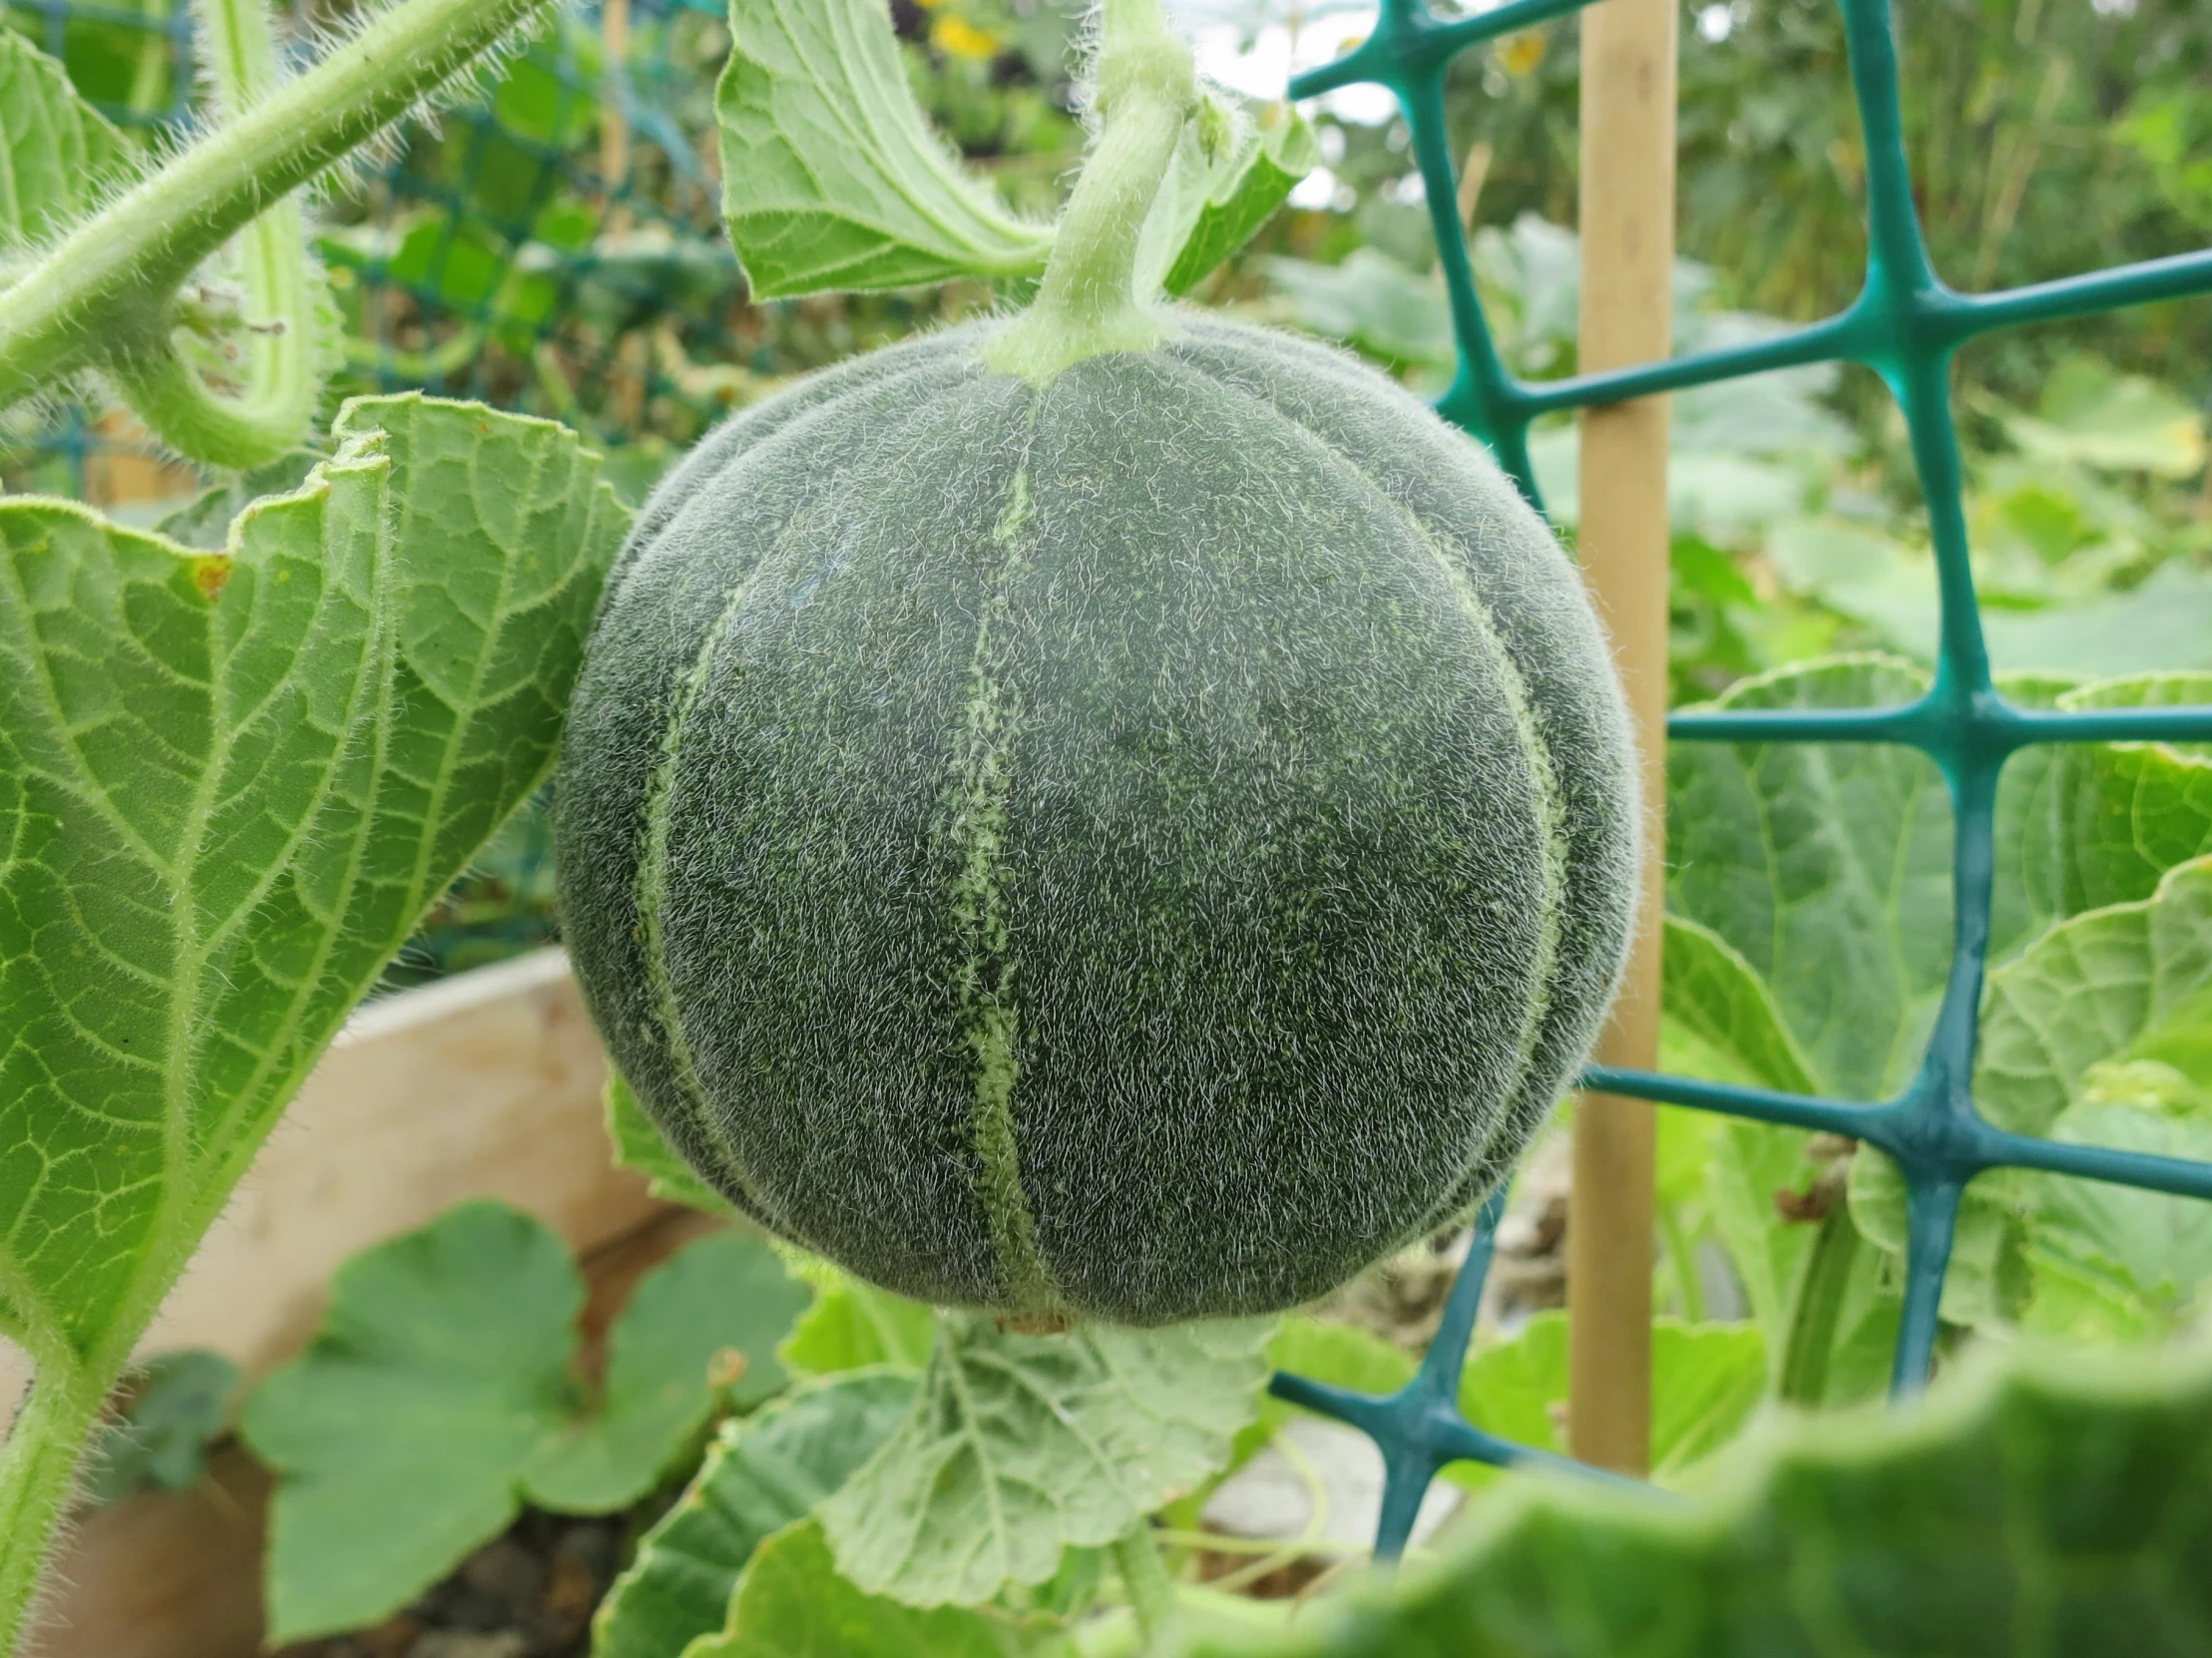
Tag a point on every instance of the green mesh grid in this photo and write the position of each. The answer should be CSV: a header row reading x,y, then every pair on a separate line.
x,y
1905,325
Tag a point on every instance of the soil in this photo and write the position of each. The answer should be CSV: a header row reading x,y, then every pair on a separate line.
x,y
528,1595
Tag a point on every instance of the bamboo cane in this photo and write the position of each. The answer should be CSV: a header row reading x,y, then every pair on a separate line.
x,y
1627,237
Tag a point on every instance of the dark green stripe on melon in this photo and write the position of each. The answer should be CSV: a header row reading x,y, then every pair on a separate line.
x,y
1143,845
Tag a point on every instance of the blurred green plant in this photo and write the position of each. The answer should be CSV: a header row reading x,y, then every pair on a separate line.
x,y
2047,1503
442,1391
1792,534
1808,940
177,1404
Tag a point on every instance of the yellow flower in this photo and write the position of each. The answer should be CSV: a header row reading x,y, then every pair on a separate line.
x,y
1521,52
958,38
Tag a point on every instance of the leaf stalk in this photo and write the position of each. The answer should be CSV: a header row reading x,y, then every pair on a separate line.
x,y
105,291
38,1469
1087,304
1151,1591
279,402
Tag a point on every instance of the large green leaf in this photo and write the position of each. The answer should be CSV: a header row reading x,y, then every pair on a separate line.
x,y
2124,981
2130,981
1021,1446
1826,868
793,1603
1812,885
2061,1507
230,783
1706,1380
59,157
441,1392
853,1325
2109,1262
2081,826
1217,193
831,178
761,1474
1715,997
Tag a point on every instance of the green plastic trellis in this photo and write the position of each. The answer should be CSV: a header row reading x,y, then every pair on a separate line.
x,y
1905,325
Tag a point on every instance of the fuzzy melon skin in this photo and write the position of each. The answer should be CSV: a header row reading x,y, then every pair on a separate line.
x,y
1143,847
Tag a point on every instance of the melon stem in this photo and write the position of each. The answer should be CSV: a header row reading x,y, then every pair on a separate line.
x,y
1087,303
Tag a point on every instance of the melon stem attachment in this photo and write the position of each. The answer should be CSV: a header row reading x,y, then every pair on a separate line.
x,y
1087,304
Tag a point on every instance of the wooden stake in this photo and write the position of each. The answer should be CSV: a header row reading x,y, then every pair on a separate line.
x,y
1627,231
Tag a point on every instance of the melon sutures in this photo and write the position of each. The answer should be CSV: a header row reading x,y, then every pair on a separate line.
x,y
1109,814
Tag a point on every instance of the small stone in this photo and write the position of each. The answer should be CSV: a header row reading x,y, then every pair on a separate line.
x,y
1272,1496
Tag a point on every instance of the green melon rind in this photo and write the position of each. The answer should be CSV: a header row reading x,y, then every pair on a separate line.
x,y
617,714
1271,835
820,975
990,1007
653,907
1544,776
1545,619
986,1181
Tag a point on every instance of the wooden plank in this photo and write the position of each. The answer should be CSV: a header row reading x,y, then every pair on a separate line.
x,y
485,1084
1627,233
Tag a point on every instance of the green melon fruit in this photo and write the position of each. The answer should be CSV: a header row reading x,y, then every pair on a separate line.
x,y
1141,847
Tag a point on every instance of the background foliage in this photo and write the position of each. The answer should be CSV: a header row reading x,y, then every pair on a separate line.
x,y
520,251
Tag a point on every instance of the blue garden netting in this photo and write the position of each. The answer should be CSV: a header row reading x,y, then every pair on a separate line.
x,y
1907,326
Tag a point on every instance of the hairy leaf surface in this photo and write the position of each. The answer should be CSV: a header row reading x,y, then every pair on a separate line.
x,y
761,1474
1021,1446
831,178
230,783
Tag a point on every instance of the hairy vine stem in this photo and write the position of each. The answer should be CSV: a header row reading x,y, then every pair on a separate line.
x,y
38,1471
1144,1576
107,289
283,291
1087,304
1816,1309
